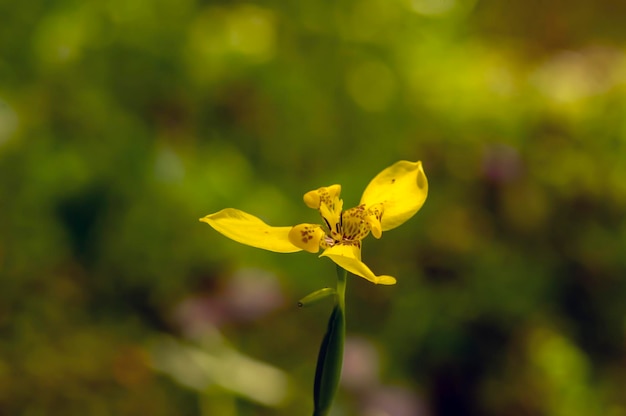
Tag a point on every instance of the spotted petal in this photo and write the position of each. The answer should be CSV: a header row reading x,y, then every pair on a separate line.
x,y
307,237
250,230
401,188
349,257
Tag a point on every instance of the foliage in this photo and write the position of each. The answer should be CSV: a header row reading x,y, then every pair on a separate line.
x,y
122,123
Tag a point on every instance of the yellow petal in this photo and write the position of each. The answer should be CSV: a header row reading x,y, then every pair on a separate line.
x,y
250,230
401,188
306,237
374,215
325,194
349,257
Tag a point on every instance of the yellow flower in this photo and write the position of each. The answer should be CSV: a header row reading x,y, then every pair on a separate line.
x,y
390,199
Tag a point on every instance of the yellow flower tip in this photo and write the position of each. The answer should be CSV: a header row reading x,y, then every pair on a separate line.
x,y
374,215
333,191
385,280
349,258
312,199
401,188
422,183
376,230
327,194
306,237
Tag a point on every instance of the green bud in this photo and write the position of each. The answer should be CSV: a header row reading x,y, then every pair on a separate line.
x,y
329,362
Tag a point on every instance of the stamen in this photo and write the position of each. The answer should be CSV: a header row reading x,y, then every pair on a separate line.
x,y
353,225
342,227
327,223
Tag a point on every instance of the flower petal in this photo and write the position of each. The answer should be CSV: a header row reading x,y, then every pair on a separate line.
x,y
250,230
401,188
306,237
325,194
349,257
374,215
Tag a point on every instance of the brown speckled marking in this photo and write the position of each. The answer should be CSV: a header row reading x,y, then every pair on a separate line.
x,y
347,227
307,234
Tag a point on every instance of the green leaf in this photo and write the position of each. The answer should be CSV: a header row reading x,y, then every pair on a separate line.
x,y
315,297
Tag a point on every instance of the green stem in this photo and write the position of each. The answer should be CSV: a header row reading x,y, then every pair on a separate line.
x,y
330,358
342,276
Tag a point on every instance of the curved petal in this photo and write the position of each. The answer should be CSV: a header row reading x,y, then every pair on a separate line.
x,y
306,236
349,257
250,230
374,216
325,194
401,188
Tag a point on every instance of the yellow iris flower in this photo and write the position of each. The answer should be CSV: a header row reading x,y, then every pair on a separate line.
x,y
390,199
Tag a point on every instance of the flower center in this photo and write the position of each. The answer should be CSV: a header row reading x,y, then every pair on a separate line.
x,y
347,227
353,225
341,227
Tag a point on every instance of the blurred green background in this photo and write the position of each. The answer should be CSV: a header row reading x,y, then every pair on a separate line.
x,y
123,122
